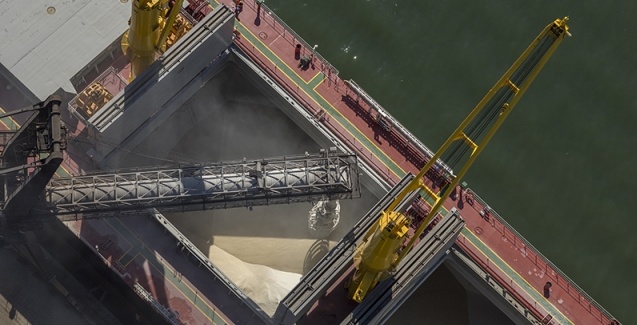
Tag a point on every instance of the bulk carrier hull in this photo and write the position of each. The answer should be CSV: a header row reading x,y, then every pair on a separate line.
x,y
182,283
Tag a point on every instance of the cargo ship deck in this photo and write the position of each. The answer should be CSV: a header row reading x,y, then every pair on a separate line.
x,y
487,239
141,252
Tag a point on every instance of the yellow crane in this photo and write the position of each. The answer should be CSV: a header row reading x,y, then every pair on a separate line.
x,y
386,243
150,23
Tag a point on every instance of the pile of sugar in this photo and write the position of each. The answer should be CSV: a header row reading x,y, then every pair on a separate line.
x,y
264,285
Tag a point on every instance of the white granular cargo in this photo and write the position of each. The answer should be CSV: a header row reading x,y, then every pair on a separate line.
x,y
264,285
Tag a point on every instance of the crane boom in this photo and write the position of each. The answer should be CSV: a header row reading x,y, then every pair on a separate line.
x,y
383,247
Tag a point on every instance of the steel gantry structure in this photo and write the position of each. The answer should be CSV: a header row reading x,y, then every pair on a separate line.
x,y
30,158
244,183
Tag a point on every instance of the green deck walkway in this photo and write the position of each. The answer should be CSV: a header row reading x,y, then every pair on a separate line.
x,y
310,90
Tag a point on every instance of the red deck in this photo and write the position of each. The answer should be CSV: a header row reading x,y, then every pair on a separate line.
x,y
494,245
153,261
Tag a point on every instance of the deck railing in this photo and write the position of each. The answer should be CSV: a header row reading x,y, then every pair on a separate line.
x,y
543,263
9,122
503,227
318,113
409,142
203,260
404,132
507,284
269,17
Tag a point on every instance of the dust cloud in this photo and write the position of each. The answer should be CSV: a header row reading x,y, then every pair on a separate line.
x,y
265,250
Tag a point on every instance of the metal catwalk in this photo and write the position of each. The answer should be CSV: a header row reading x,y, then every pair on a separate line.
x,y
222,185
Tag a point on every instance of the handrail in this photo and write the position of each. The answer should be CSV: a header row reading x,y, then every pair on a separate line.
x,y
287,33
203,260
500,280
316,112
332,75
394,122
329,71
567,284
368,157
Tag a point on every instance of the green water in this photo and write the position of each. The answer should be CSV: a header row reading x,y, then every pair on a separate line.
x,y
561,169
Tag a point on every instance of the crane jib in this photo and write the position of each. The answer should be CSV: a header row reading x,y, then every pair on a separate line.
x,y
434,184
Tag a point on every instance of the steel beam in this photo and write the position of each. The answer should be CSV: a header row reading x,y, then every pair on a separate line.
x,y
222,185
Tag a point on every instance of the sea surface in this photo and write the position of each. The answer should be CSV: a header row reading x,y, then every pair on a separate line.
x,y
561,170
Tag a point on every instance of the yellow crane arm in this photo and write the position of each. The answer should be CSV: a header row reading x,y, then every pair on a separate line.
x,y
150,24
373,258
